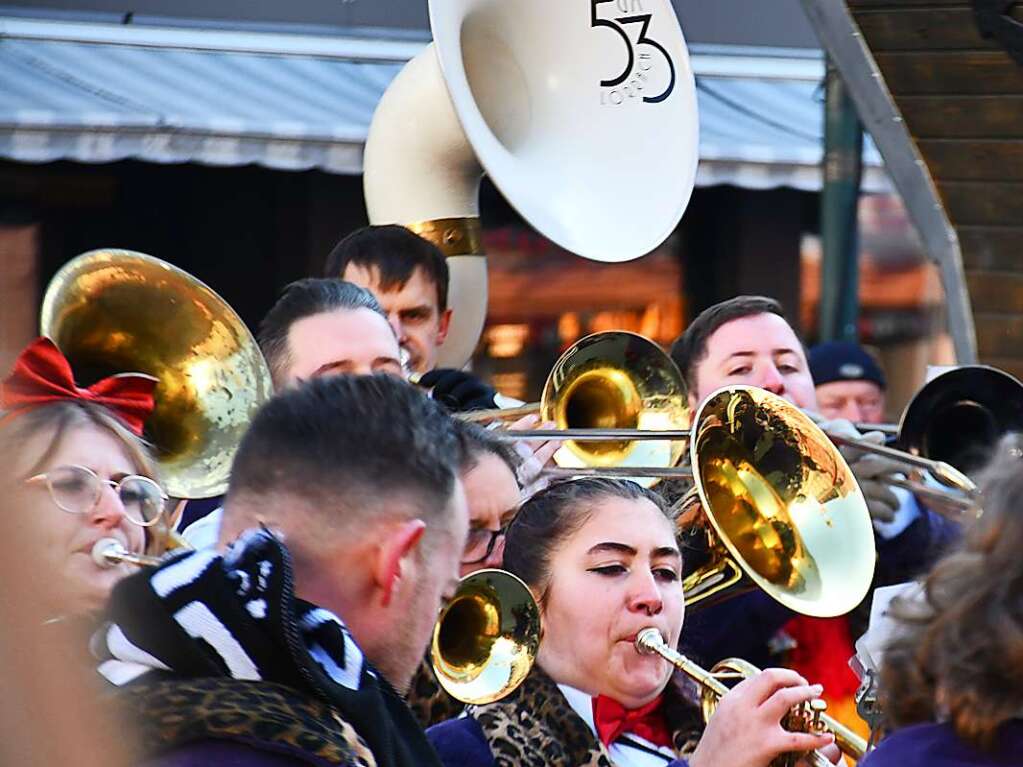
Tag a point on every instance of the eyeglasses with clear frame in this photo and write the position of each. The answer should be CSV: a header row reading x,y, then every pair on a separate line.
x,y
77,489
481,540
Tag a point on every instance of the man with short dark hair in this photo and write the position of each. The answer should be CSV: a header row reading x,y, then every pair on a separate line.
x,y
324,326
349,523
409,276
747,340
744,340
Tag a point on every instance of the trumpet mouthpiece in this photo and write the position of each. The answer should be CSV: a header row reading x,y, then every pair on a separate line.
x,y
648,640
105,550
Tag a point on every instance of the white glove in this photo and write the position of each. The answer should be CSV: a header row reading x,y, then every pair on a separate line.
x,y
872,471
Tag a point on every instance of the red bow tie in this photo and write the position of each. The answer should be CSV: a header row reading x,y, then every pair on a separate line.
x,y
612,719
42,375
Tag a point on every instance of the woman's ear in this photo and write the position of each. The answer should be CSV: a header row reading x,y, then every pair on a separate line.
x,y
393,556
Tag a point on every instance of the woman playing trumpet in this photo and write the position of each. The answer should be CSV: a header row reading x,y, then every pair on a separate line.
x,y
600,557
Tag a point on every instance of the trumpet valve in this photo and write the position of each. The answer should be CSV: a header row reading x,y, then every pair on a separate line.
x,y
817,708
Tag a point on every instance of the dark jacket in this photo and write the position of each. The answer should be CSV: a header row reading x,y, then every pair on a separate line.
x,y
216,654
937,745
536,727
742,626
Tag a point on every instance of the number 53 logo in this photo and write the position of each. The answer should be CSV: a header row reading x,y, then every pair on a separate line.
x,y
618,25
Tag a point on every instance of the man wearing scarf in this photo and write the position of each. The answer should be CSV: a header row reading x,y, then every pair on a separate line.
x,y
348,522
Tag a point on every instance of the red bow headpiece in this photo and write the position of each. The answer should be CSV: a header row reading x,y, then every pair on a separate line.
x,y
42,375
611,720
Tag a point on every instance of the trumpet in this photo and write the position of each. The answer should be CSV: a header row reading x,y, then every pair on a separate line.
x,y
809,717
487,637
108,552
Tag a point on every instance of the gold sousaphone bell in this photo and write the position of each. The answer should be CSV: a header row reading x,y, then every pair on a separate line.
x,y
116,311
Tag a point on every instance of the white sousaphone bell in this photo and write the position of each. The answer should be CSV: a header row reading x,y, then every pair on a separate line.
x,y
583,112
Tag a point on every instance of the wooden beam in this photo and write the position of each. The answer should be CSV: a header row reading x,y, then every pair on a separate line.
x,y
974,159
999,335
921,29
1000,292
982,117
995,248
955,72
983,203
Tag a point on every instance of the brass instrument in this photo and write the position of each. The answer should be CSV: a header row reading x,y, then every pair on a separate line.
x,y
111,311
809,717
959,416
482,97
614,383
615,395
108,552
779,504
486,638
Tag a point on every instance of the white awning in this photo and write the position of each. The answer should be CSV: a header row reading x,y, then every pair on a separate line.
x,y
98,93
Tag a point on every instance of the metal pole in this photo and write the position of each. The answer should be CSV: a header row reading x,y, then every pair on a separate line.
x,y
843,170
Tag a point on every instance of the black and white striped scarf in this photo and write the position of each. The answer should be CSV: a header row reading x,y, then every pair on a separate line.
x,y
205,615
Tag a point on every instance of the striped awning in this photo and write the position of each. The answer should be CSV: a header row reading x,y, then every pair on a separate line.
x,y
98,93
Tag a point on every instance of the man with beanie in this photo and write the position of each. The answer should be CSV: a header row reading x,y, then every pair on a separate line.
x,y
849,382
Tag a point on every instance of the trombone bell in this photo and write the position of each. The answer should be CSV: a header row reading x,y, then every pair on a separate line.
x,y
486,638
616,380
783,505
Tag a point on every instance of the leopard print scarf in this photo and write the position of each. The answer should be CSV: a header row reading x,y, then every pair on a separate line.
x,y
428,701
172,713
536,727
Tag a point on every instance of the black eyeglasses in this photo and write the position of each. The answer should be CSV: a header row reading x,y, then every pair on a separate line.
x,y
76,490
480,544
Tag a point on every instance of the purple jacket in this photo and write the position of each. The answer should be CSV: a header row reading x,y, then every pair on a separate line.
x,y
937,745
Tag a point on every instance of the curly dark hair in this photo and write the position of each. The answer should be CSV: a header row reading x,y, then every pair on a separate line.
x,y
960,655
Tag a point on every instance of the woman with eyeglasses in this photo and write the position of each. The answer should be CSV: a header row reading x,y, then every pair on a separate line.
x,y
80,469
601,559
488,473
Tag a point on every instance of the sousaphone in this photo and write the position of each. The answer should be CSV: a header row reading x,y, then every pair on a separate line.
x,y
582,112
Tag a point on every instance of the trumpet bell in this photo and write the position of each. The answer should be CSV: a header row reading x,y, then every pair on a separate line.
x,y
116,311
959,416
783,503
616,380
486,638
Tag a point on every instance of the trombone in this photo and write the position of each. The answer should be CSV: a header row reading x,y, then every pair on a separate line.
x,y
487,639
615,395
